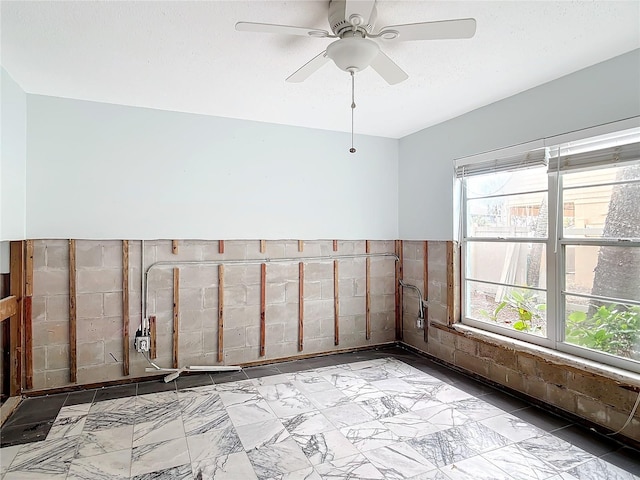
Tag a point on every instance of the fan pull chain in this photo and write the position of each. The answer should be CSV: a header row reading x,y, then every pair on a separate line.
x,y
353,107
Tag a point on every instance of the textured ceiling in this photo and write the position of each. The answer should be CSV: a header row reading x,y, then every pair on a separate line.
x,y
186,56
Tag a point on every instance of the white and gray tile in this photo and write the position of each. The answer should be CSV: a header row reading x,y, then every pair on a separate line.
x,y
399,461
356,467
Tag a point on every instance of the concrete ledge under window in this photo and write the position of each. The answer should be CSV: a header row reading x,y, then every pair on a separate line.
x,y
625,378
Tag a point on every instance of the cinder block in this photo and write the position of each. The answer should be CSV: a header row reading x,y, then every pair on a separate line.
x,y
51,333
190,345
191,299
312,290
161,278
100,373
552,373
275,292
113,346
112,253
274,333
193,320
561,397
242,274
352,306
39,254
204,276
478,365
210,341
443,352
50,282
317,309
57,255
602,389
467,345
91,353
104,280
235,295
57,308
253,294
252,334
241,316
355,268
281,312
437,253
112,304
39,309
275,249
39,359
527,364
58,378
235,250
92,329
501,355
616,419
292,291
383,266
380,285
57,357
210,297
319,271
592,410
88,254
535,387
346,287
89,305
282,272
327,289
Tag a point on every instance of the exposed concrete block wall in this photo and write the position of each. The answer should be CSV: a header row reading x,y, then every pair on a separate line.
x,y
597,398
99,304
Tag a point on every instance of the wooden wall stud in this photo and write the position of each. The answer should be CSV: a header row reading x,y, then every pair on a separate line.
x,y
335,245
125,307
176,314
220,313
450,283
399,296
367,249
300,306
28,314
263,246
263,301
153,351
16,268
174,247
336,305
425,289
73,360
220,246
300,245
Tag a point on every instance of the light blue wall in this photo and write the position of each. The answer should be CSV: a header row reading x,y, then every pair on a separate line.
x,y
603,93
107,171
13,137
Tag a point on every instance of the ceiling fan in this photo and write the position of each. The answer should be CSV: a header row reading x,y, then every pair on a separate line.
x,y
352,23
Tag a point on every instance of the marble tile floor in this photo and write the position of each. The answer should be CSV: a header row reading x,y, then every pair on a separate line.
x,y
380,414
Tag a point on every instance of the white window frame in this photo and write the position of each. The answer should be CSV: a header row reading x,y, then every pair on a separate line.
x,y
555,248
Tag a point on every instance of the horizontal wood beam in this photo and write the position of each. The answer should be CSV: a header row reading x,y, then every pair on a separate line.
x,y
8,307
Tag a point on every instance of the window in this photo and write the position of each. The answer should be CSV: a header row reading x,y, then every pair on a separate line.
x,y
551,247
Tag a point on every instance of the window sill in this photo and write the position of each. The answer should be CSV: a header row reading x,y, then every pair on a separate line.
x,y
627,379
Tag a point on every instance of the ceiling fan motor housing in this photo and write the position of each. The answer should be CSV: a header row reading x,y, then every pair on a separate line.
x,y
339,23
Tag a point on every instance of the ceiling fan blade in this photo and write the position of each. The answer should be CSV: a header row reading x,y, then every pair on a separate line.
x,y
363,8
388,69
283,29
446,29
308,68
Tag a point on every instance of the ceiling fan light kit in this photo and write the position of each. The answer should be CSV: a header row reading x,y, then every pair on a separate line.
x,y
353,54
352,23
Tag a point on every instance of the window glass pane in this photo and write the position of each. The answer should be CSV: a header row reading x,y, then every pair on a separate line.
x,y
604,327
522,215
522,264
519,309
606,271
518,181
601,175
607,211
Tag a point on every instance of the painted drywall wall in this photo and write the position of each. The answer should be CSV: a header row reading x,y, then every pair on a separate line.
x,y
13,157
603,93
101,171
